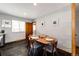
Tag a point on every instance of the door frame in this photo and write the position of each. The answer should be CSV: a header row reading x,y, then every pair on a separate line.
x,y
73,29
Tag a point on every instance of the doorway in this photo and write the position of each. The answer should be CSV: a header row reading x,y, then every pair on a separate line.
x,y
29,28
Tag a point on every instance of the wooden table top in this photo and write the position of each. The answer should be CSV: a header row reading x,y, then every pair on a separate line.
x,y
43,40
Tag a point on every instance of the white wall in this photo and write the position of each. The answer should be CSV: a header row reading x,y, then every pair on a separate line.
x,y
61,30
11,36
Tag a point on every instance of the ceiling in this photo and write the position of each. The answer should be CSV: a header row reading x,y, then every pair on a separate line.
x,y
28,10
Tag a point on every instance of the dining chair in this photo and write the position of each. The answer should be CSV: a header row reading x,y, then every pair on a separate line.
x,y
31,46
28,42
0,52
35,47
55,48
51,48
47,48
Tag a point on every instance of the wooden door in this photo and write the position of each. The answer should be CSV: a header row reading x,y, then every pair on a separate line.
x,y
29,28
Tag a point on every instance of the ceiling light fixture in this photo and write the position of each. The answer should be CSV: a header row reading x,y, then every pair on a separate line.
x,y
25,14
34,4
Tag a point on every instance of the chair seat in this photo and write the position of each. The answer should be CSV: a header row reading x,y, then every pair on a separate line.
x,y
37,46
34,51
48,48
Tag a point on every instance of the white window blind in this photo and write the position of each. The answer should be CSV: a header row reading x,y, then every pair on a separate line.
x,y
22,26
18,26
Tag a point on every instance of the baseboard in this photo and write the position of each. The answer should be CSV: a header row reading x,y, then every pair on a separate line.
x,y
65,53
77,46
15,41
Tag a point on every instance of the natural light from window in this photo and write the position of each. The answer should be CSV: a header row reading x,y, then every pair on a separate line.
x,y
18,26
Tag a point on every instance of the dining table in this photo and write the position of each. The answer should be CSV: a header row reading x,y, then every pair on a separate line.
x,y
45,40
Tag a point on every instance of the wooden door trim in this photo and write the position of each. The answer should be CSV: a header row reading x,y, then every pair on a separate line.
x,y
73,29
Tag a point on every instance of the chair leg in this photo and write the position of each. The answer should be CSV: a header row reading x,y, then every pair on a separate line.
x,y
55,53
0,54
28,51
44,53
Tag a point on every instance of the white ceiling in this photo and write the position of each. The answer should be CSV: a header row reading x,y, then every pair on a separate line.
x,y
28,10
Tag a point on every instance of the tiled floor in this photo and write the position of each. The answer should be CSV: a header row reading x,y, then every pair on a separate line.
x,y
19,49
15,49
77,51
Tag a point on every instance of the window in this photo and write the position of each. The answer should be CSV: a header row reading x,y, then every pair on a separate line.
x,y
21,26
18,26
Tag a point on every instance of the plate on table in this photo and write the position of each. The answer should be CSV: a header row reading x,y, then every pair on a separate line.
x,y
34,37
49,39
